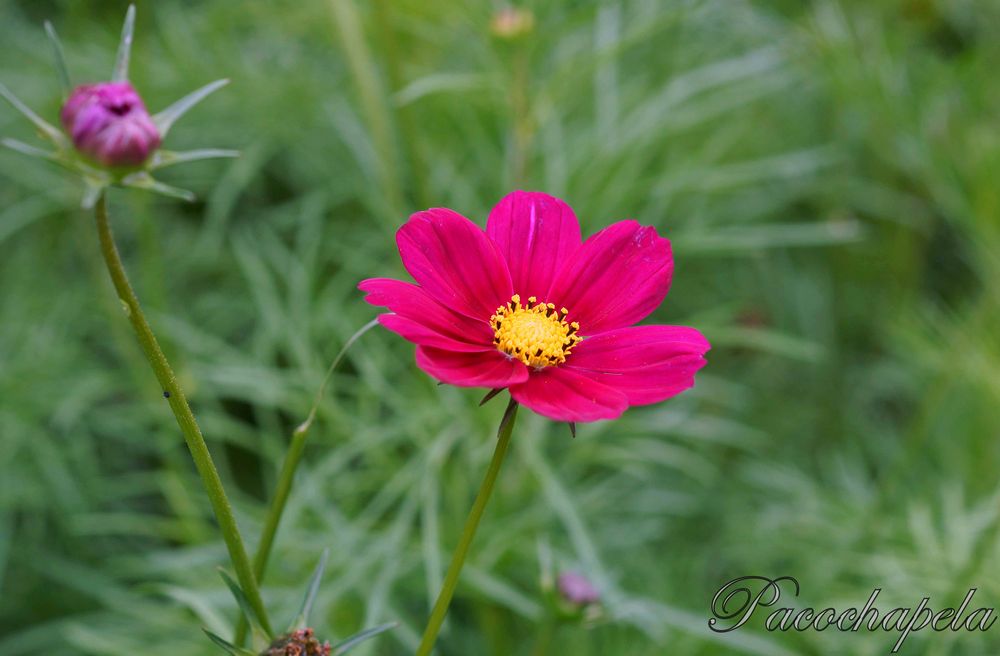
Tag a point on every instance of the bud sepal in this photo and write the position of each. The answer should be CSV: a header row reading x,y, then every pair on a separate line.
x,y
299,639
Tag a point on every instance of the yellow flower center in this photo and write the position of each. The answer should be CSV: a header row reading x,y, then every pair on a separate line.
x,y
535,333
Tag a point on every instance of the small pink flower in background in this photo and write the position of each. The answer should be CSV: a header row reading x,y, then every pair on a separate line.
x,y
529,306
512,22
576,589
108,122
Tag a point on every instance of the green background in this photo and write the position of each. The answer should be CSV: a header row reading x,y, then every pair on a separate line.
x,y
828,172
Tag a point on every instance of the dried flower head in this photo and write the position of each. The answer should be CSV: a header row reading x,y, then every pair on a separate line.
x,y
302,642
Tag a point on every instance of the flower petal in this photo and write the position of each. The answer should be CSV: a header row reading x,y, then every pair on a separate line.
x,y
646,363
481,369
452,259
411,302
616,278
421,335
563,394
536,233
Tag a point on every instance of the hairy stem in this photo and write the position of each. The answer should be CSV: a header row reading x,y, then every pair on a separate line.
x,y
182,412
469,532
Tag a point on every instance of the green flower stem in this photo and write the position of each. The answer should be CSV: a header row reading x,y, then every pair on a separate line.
x,y
546,631
364,70
281,492
287,475
469,532
523,127
182,412
277,509
412,151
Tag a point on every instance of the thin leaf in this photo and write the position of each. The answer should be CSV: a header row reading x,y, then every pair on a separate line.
x,y
60,159
166,118
317,576
232,649
307,424
57,49
27,149
46,129
120,73
439,83
165,158
489,395
91,193
346,645
143,180
244,604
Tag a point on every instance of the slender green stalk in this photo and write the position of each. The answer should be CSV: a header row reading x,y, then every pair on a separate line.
x,y
182,412
407,127
469,532
522,126
284,487
373,99
546,631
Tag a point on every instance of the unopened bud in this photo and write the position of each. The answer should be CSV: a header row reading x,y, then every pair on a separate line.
x,y
577,590
512,22
108,123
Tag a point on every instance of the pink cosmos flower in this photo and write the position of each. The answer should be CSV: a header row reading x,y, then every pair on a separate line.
x,y
577,589
108,122
529,306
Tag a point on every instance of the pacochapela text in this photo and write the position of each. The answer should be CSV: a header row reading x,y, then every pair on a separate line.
x,y
739,599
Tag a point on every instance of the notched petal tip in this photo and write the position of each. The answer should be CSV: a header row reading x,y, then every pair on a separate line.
x,y
616,278
536,233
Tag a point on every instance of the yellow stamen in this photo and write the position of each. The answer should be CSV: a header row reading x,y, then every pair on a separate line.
x,y
535,333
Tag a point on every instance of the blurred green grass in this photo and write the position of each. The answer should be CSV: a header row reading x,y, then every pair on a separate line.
x,y
827,172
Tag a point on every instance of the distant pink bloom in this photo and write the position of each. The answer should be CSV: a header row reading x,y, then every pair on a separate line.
x,y
576,589
108,122
527,305
512,22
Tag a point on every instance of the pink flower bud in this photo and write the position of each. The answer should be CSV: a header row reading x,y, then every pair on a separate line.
x,y
512,23
108,123
576,589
